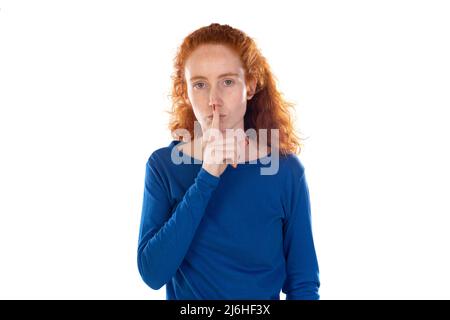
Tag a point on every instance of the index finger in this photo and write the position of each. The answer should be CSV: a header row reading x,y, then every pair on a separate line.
x,y
214,128
216,118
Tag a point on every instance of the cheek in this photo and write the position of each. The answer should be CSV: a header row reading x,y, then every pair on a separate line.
x,y
198,108
237,101
240,95
199,114
197,99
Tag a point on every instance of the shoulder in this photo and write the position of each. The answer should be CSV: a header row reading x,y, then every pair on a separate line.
x,y
291,167
294,183
159,165
162,155
160,161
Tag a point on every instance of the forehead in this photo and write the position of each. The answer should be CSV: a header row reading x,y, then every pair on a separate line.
x,y
211,60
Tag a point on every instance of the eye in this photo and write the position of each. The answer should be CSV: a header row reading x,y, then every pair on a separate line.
x,y
196,85
231,81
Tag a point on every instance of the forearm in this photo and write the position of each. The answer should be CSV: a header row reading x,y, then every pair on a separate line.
x,y
161,252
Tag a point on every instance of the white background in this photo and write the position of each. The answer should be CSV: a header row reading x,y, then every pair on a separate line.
x,y
83,92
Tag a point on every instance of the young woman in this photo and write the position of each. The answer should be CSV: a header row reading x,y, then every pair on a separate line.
x,y
214,231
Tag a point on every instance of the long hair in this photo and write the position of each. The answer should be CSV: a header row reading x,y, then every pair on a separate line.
x,y
267,109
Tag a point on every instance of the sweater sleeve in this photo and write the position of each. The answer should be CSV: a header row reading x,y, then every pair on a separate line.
x,y
302,279
167,230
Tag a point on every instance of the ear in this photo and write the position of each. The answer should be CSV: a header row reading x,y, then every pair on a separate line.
x,y
251,87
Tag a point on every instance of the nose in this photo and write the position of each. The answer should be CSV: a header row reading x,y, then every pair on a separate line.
x,y
215,98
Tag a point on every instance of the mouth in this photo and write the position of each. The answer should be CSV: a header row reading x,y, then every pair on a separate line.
x,y
221,116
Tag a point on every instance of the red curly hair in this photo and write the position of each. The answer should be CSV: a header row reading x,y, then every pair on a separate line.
x,y
265,110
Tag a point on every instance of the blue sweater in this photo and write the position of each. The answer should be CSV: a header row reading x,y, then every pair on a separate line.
x,y
241,236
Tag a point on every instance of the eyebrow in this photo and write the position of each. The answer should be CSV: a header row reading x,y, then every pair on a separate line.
x,y
228,74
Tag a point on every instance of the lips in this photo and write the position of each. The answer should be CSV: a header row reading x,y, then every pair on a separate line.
x,y
221,116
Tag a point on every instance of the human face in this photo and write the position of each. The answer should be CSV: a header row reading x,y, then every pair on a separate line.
x,y
214,75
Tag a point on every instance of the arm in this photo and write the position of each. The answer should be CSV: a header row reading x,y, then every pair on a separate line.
x,y
165,237
302,280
